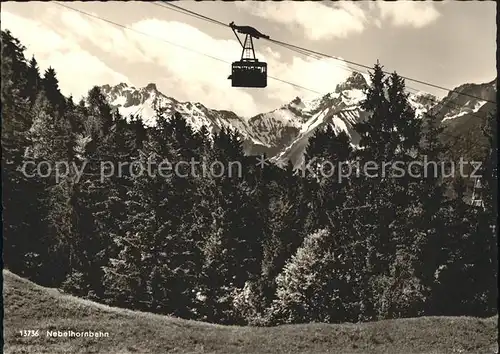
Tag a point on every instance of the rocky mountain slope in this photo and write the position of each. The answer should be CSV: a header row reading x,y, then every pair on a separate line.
x,y
283,133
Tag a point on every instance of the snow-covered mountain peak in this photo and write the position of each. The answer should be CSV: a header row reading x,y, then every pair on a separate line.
x,y
423,98
356,81
145,101
466,99
151,87
284,132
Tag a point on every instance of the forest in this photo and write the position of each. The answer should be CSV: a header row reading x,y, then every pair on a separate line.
x,y
270,246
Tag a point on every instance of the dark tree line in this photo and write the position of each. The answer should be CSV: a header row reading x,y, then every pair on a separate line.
x,y
270,246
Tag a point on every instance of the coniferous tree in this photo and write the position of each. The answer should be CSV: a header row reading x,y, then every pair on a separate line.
x,y
53,142
33,80
22,227
389,141
225,249
431,219
285,221
476,264
449,294
486,268
50,85
156,208
312,286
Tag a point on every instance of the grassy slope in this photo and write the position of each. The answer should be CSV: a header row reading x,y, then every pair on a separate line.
x,y
29,306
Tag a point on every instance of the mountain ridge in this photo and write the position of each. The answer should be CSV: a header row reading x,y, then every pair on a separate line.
x,y
283,133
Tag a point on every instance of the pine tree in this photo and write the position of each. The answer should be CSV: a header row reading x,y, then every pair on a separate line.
x,y
284,221
334,156
53,142
33,82
486,231
101,193
23,230
312,286
124,277
389,138
431,219
375,192
50,85
479,259
450,289
14,66
156,208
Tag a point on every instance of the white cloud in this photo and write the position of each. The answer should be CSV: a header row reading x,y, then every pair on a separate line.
x,y
84,28
192,70
194,74
317,20
183,74
77,70
416,14
319,75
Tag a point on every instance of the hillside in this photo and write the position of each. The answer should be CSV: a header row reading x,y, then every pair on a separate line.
x,y
29,306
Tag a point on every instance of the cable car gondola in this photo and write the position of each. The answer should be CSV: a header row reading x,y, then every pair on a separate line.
x,y
248,71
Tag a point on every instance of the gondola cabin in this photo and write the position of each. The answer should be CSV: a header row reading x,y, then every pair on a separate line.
x,y
248,71
248,74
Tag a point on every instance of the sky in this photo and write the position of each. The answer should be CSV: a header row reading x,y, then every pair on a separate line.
x,y
445,43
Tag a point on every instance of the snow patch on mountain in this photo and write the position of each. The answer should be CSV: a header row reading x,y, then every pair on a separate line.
x,y
466,99
284,132
342,112
144,102
353,96
465,110
422,102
